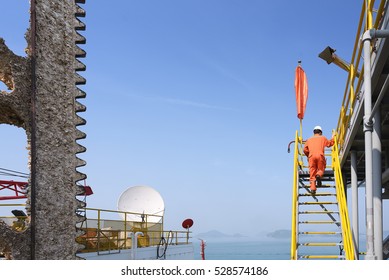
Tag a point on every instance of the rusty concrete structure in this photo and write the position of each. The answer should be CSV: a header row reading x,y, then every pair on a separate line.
x,y
43,99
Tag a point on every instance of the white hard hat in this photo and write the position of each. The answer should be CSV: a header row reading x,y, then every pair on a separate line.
x,y
318,127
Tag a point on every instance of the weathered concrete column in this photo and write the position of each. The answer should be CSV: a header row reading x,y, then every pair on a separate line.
x,y
15,110
43,100
55,163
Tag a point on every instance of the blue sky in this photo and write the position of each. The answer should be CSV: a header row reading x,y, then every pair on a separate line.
x,y
196,99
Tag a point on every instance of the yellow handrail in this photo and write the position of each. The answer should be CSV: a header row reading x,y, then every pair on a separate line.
x,y
293,247
106,232
370,17
354,82
342,204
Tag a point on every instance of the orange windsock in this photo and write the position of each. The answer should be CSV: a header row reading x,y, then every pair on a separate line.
x,y
301,87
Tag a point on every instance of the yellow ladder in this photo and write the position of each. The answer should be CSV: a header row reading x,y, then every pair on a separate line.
x,y
320,224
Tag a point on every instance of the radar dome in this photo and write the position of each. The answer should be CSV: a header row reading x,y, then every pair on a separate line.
x,y
140,201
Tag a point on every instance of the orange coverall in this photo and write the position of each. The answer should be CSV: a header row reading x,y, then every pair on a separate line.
x,y
314,150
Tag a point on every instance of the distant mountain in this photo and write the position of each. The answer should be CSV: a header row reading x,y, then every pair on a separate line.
x,y
280,234
217,234
238,235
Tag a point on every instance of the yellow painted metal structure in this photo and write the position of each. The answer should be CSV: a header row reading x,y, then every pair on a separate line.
x,y
301,191
109,231
296,166
342,202
368,19
371,17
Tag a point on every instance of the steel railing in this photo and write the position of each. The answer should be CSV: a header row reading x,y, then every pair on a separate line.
x,y
348,244
369,18
103,232
298,164
111,231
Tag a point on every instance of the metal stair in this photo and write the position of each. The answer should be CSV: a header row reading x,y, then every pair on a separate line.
x,y
319,234
320,223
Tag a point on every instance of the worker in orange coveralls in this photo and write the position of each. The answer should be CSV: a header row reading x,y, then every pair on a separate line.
x,y
314,150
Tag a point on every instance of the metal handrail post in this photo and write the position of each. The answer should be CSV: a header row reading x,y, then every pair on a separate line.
x,y
293,247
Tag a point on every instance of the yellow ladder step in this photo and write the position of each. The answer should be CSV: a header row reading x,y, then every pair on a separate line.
x,y
317,203
322,257
327,173
317,194
319,232
319,212
319,222
323,186
320,244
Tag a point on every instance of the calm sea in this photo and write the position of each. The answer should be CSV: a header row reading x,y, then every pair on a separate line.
x,y
249,249
243,249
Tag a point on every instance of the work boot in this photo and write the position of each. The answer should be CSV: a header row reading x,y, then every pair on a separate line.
x,y
318,181
313,187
